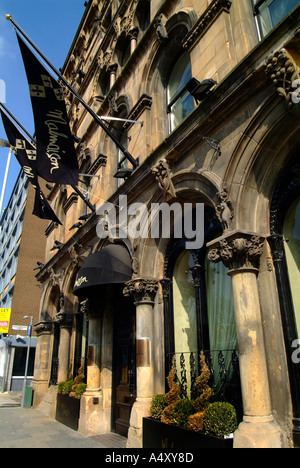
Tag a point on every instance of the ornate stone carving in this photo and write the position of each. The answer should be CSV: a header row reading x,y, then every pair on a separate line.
x,y
283,71
65,320
162,173
215,8
54,278
165,283
84,306
75,258
225,210
143,290
277,244
161,31
238,251
43,328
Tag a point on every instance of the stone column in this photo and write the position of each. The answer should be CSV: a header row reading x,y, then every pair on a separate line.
x,y
133,34
144,292
66,323
113,74
43,360
93,369
241,253
91,404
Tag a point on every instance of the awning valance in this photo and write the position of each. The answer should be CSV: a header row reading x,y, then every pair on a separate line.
x,y
112,265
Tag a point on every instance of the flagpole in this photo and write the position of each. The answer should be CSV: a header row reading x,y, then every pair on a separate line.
x,y
88,204
5,181
85,105
18,123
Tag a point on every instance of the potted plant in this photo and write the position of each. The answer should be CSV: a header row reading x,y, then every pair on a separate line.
x,y
68,400
185,423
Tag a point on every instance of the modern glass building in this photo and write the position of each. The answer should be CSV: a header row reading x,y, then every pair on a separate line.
x,y
22,244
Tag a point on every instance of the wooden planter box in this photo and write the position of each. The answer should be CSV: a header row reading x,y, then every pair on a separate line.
x,y
159,435
68,411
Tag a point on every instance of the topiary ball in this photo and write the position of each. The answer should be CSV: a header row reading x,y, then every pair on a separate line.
x,y
220,419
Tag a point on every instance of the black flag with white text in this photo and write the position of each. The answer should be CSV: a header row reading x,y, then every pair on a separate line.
x,y
56,155
26,155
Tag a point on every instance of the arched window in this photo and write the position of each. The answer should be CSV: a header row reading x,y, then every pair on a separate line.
x,y
184,300
291,234
199,316
285,245
180,101
143,15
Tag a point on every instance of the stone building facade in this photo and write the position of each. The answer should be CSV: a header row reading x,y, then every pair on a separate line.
x,y
127,306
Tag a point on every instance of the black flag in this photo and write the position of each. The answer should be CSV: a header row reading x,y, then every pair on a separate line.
x,y
26,155
56,155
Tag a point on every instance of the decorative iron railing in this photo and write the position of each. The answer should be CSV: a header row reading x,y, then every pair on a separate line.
x,y
76,366
54,372
225,374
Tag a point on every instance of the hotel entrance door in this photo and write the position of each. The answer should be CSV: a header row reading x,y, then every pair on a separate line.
x,y
124,363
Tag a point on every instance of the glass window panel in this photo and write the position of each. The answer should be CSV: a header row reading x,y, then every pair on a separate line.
x,y
221,319
185,321
273,11
291,232
181,109
185,318
184,105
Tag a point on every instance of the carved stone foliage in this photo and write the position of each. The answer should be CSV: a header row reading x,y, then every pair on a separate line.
x,y
238,251
283,71
162,173
143,290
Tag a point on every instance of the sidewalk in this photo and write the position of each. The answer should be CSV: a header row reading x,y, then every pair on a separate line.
x,y
29,428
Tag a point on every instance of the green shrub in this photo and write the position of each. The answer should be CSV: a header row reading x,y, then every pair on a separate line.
x,y
80,390
196,422
183,409
65,388
60,387
158,405
220,419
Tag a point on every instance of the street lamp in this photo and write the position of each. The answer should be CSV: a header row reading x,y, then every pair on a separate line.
x,y
27,358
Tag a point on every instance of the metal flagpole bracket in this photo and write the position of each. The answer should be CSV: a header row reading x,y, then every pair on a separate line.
x,y
89,205
117,119
80,99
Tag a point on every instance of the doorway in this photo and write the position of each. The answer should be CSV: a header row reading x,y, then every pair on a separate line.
x,y
124,362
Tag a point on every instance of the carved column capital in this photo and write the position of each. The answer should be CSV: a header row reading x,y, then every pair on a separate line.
x,y
43,328
143,290
238,251
65,320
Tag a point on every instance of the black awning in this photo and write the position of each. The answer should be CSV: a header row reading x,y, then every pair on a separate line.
x,y
112,265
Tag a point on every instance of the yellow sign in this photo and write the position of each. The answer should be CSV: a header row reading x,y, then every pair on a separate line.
x,y
4,320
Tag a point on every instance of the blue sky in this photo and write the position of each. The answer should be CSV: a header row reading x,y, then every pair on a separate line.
x,y
52,25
